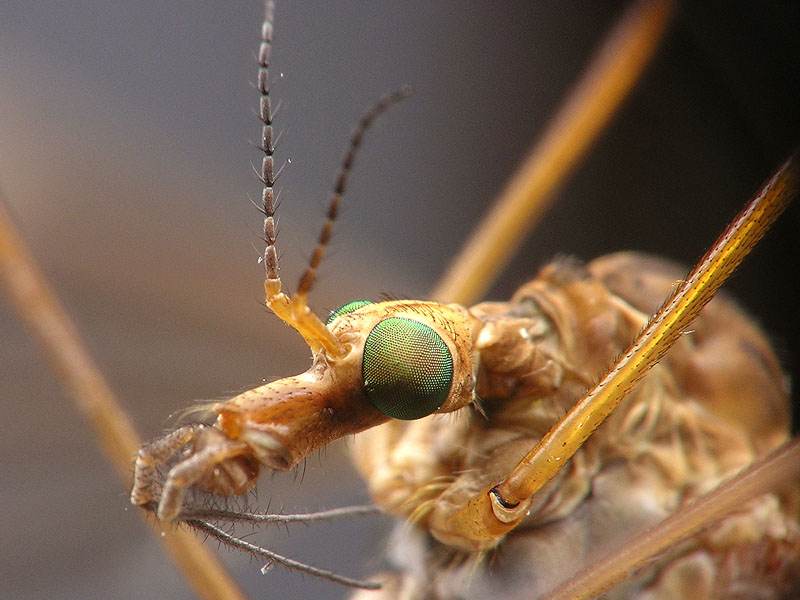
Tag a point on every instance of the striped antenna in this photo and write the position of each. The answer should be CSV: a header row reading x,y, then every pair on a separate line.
x,y
384,103
295,311
267,175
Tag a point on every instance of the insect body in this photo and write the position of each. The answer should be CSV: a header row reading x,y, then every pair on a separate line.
x,y
675,437
130,220
511,370
451,399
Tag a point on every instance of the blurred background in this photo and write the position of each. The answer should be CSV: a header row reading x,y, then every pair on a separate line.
x,y
125,151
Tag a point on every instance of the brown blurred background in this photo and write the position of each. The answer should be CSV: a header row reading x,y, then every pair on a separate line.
x,y
124,155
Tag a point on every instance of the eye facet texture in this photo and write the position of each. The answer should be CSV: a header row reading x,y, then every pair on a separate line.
x,y
407,369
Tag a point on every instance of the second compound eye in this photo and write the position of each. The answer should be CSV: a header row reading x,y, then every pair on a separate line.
x,y
346,309
407,368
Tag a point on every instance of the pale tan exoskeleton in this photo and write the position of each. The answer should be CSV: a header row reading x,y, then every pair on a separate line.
x,y
496,505
166,398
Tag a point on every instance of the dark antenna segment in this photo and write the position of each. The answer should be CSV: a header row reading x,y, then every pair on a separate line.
x,y
340,184
265,114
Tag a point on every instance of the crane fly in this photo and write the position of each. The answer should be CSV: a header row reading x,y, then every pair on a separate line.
x,y
509,467
520,277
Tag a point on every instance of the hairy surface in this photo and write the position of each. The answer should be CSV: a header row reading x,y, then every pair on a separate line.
x,y
715,403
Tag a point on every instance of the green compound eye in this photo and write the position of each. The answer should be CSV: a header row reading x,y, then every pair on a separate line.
x,y
346,309
407,369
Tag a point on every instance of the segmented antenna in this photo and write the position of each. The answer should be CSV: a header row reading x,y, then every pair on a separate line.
x,y
292,312
267,175
295,311
386,101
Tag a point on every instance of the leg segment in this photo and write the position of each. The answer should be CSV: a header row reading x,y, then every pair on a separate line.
x,y
157,453
214,451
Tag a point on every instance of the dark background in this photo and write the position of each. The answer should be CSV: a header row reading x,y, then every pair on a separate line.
x,y
124,155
